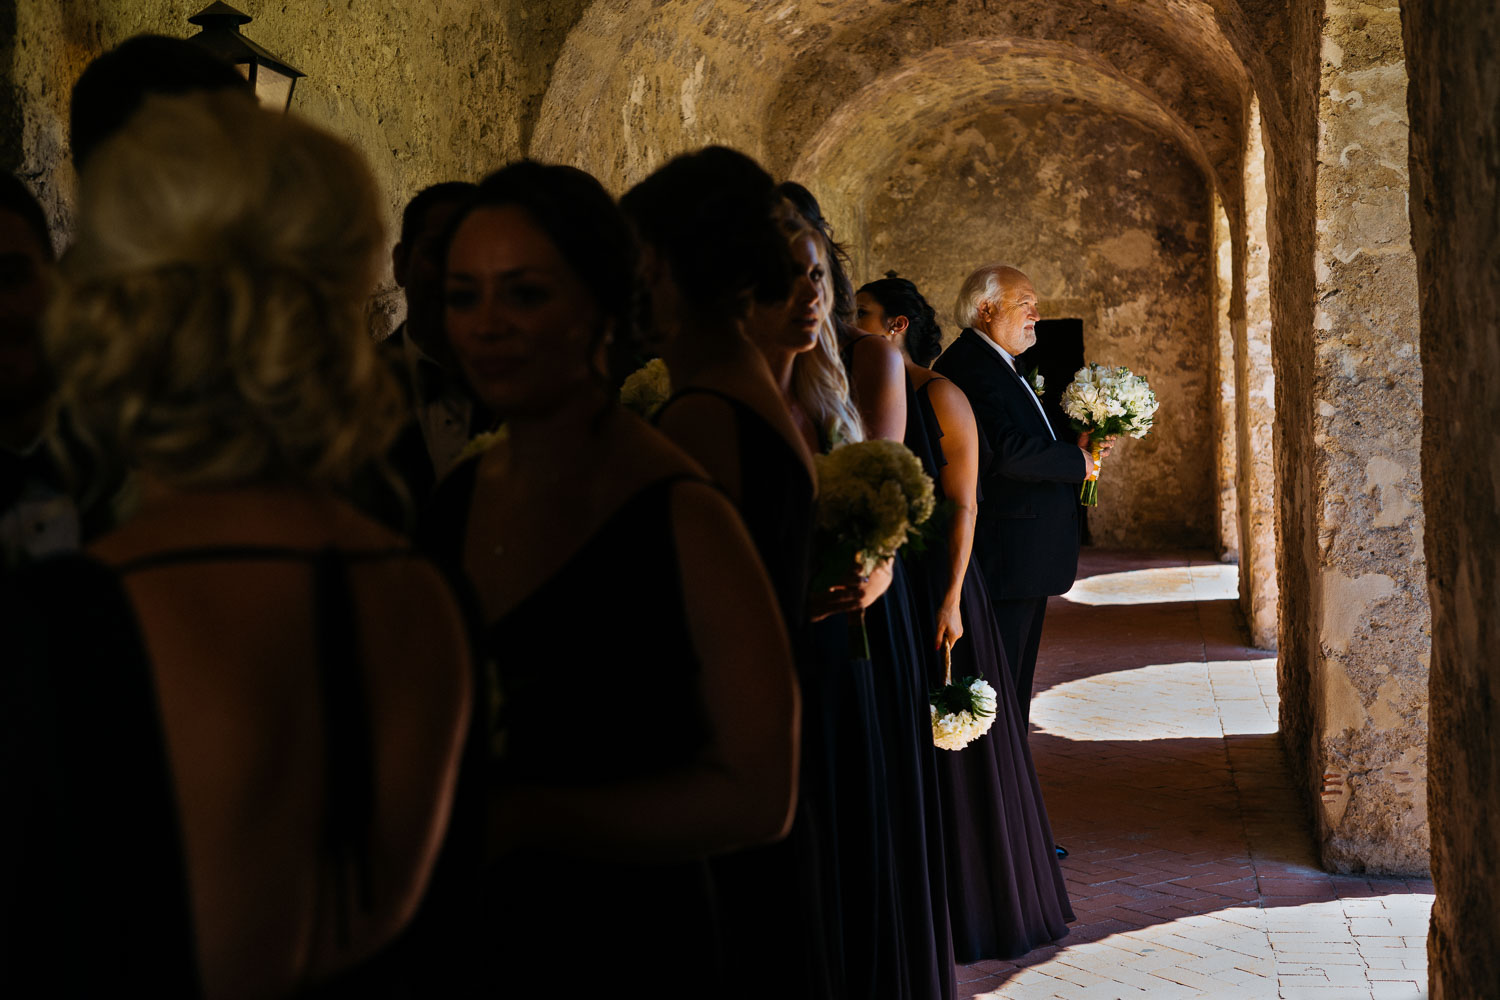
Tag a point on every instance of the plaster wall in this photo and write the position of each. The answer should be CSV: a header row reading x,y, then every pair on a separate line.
x,y
1454,101
1114,225
429,92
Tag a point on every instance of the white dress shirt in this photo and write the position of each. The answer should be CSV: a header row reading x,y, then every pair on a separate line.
x,y
1011,362
443,408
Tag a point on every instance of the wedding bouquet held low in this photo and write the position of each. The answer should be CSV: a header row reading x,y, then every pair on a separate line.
x,y
961,712
873,497
1107,401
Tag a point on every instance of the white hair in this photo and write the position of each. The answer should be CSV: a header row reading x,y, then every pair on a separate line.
x,y
984,285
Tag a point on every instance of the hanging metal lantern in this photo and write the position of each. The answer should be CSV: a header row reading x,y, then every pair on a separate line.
x,y
272,79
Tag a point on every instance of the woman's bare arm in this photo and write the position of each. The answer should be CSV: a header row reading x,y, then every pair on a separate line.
x,y
960,480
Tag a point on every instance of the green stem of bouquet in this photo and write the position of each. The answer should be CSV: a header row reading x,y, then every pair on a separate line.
x,y
859,637
1089,494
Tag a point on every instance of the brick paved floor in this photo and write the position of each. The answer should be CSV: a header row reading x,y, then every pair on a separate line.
x,y
1192,870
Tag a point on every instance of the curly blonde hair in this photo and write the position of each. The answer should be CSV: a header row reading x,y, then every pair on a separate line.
x,y
211,327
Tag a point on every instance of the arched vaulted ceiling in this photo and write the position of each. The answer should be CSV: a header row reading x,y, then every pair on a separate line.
x,y
832,91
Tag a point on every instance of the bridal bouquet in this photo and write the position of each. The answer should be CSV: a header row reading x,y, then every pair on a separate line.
x,y
873,496
962,712
647,388
1106,402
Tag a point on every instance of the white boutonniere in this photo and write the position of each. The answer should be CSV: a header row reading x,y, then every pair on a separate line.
x,y
1036,381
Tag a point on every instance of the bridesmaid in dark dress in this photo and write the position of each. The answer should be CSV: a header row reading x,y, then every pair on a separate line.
x,y
728,414
876,380
649,709
1006,892
869,797
232,725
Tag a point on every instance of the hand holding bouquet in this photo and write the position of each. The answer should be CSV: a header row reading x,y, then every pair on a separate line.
x,y
872,497
962,712
1104,402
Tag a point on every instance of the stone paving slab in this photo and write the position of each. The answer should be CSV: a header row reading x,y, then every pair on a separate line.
x,y
1192,872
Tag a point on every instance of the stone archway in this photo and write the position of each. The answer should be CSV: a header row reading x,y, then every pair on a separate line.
x,y
1334,519
837,94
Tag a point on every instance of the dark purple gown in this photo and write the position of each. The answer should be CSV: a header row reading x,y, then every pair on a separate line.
x,y
912,953
779,938
1006,893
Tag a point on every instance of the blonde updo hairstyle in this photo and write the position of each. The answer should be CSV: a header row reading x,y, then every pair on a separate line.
x,y
211,324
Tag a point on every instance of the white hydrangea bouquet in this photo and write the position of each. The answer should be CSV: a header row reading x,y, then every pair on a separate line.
x,y
1107,401
962,712
647,388
873,496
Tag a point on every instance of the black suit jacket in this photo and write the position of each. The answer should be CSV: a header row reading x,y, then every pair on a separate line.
x,y
1026,537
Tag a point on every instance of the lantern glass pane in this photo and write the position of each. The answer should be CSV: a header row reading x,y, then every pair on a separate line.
x,y
273,89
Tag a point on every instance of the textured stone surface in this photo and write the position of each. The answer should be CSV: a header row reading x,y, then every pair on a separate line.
x,y
802,85
1256,407
1226,438
1354,609
1371,610
429,92
1291,223
1112,223
1455,161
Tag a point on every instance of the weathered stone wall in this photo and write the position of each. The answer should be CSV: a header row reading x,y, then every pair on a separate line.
x,y
1348,398
1226,440
1454,99
1256,407
1372,615
1290,232
1114,225
429,92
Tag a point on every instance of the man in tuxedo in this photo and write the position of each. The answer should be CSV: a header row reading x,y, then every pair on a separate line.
x,y
442,415
1026,535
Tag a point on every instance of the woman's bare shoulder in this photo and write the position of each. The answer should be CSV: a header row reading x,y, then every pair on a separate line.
x,y
949,402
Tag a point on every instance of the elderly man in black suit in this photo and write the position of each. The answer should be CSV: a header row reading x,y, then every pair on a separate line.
x,y
1026,537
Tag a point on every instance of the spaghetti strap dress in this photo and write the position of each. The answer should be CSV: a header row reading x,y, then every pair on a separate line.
x,y
924,955
599,685
1006,893
776,930
96,894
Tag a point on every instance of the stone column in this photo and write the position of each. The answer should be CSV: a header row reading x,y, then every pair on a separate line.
x,y
1455,214
1226,440
1255,403
1362,516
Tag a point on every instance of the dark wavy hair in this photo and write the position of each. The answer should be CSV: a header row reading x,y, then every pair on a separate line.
x,y
710,214
113,87
581,220
899,297
838,257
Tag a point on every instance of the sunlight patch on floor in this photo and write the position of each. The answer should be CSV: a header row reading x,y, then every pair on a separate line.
x,y
1160,585
1163,701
